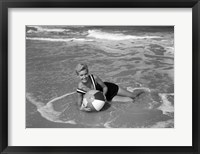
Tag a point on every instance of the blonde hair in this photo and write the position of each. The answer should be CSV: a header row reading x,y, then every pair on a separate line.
x,y
81,67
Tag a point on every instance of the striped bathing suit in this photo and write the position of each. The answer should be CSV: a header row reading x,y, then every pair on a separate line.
x,y
112,88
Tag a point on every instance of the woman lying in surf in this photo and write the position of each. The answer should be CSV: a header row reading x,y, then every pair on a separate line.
x,y
111,91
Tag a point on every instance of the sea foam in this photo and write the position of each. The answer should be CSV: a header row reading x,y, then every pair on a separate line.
x,y
166,106
47,111
114,36
163,124
43,29
57,39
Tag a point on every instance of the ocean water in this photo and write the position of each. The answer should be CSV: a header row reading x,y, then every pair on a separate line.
x,y
134,57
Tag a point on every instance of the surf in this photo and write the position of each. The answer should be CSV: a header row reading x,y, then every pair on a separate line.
x,y
43,29
57,40
106,118
47,110
98,34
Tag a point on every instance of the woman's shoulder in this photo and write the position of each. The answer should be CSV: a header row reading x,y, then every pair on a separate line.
x,y
80,85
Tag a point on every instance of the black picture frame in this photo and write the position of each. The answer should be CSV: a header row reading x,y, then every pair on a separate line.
x,y
6,4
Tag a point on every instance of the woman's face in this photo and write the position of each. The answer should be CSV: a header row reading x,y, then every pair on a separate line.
x,y
83,75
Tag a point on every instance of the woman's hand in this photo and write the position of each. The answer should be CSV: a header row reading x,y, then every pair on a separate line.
x,y
84,108
104,97
87,109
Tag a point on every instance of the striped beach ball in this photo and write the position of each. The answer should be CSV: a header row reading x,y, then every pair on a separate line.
x,y
94,100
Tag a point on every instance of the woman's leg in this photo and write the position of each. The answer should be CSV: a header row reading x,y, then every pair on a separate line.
x,y
126,93
122,99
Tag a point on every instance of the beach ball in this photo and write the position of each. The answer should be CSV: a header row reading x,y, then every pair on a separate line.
x,y
94,100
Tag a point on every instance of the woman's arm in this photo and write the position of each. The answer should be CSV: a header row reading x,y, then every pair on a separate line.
x,y
80,99
101,83
80,104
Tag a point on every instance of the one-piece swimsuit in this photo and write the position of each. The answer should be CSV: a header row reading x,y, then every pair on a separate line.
x,y
112,88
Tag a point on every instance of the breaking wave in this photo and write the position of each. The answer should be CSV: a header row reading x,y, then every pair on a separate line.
x,y
43,29
113,36
57,39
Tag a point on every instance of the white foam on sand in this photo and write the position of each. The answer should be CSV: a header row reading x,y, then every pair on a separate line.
x,y
113,36
136,88
47,111
163,124
34,101
108,123
166,106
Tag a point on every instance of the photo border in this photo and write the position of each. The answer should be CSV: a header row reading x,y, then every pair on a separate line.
x,y
5,5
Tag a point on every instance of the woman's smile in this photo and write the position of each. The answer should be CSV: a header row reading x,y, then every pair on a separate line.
x,y
84,75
